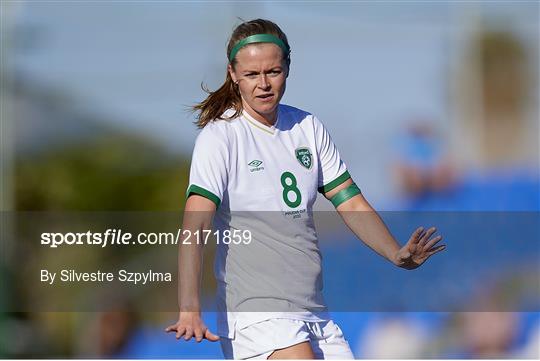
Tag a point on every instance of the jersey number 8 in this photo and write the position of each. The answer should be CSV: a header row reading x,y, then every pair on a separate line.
x,y
288,181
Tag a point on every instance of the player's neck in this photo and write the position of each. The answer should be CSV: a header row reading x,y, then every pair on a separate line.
x,y
268,120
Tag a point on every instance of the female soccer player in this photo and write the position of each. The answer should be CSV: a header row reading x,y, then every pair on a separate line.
x,y
257,166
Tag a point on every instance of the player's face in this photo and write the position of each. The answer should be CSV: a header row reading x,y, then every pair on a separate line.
x,y
261,73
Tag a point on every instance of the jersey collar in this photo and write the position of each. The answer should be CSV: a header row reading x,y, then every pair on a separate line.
x,y
255,123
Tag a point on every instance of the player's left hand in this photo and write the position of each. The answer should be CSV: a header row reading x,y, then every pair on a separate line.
x,y
418,249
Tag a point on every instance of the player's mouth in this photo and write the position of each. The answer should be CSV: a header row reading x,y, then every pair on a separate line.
x,y
266,97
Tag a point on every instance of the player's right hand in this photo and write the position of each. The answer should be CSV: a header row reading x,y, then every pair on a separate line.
x,y
190,324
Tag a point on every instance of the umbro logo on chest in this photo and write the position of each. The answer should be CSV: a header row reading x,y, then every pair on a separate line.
x,y
255,165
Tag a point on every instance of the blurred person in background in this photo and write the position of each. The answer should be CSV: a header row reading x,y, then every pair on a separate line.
x,y
422,164
492,329
486,334
255,154
394,337
493,143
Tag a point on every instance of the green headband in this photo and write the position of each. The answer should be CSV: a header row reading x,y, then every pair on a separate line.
x,y
259,38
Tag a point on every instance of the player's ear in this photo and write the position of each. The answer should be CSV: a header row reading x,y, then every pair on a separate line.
x,y
231,73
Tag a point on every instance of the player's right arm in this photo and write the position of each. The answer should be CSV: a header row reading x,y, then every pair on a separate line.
x,y
207,183
198,215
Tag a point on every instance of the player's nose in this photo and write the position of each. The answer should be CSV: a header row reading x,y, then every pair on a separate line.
x,y
263,83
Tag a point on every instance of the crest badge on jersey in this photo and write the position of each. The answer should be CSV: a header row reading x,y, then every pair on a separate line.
x,y
304,156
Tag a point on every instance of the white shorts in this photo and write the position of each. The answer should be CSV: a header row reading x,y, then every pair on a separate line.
x,y
259,340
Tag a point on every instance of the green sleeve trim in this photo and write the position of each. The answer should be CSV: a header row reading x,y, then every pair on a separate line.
x,y
336,182
345,194
193,189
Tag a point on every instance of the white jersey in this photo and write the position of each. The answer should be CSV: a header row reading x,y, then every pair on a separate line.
x,y
265,180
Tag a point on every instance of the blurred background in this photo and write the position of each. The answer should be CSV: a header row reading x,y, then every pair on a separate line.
x,y
433,105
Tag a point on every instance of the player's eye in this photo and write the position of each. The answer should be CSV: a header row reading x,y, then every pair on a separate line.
x,y
251,75
274,72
